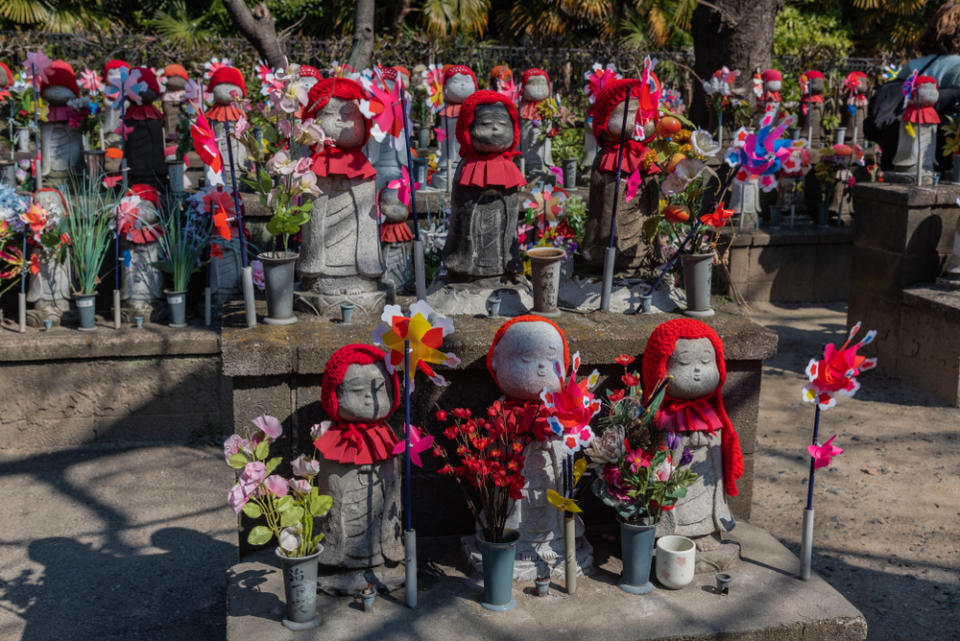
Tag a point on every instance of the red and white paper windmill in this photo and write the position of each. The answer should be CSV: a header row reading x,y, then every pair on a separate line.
x,y
836,373
597,77
433,82
382,108
570,409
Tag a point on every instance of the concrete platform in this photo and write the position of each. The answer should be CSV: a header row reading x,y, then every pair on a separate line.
x,y
766,602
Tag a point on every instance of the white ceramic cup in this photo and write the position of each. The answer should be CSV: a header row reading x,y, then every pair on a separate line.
x,y
675,561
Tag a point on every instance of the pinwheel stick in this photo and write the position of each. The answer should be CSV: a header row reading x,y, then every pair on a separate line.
x,y
409,535
38,171
248,300
116,211
806,541
569,529
418,266
611,252
22,296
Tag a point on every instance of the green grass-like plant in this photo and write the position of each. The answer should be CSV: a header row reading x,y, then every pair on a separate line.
x,y
182,243
88,226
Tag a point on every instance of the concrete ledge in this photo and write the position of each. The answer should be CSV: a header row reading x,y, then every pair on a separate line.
x,y
929,349
766,603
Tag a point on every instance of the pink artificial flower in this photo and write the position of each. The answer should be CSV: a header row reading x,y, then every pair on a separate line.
x,y
253,473
237,498
240,127
306,467
258,278
302,166
250,479
637,460
234,444
822,454
664,470
613,478
269,425
306,184
276,485
281,163
311,133
299,487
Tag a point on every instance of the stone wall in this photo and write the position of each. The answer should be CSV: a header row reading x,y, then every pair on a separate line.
x,y
928,351
903,236
279,369
790,265
66,389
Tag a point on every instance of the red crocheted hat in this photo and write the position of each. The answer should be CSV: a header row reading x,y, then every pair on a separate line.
x,y
813,73
229,75
306,71
114,64
145,192
612,94
60,74
501,72
336,369
149,77
388,73
452,70
771,74
659,347
6,69
175,70
342,88
468,111
529,73
402,69
527,318
925,80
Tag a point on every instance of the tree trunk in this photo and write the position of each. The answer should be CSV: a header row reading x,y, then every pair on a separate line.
x,y
362,35
403,7
735,33
259,28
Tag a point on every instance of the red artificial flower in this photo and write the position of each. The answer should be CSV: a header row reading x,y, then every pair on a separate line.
x,y
65,239
718,217
630,380
624,360
446,470
441,416
34,264
616,396
216,251
461,413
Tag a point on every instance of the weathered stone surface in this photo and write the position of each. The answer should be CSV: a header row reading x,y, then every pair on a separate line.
x,y
929,352
766,603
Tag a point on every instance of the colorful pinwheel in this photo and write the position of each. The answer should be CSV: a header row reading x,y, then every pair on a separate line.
x,y
418,444
823,454
425,339
402,185
570,409
837,372
433,82
510,89
597,77
547,202
205,143
210,66
126,85
90,80
36,65
760,154
721,82
382,107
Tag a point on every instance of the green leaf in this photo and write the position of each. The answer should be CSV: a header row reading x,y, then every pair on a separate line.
x,y
319,505
650,228
317,539
259,535
252,510
263,448
291,516
285,503
273,463
237,461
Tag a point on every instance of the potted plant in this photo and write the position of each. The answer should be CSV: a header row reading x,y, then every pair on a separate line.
x,y
485,455
640,473
88,239
289,507
550,234
185,237
280,146
566,141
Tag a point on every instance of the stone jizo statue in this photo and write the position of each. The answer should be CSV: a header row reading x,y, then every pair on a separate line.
x,y
145,141
228,88
918,132
60,138
535,88
812,86
459,83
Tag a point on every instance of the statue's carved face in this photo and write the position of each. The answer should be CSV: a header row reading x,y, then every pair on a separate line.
x,y
51,201
365,393
523,360
536,88
928,94
308,82
175,83
817,85
774,85
342,121
693,365
492,129
225,93
148,95
391,207
862,85
458,88
57,95
4,78
615,122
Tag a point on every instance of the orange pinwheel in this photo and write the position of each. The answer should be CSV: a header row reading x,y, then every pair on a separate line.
x,y
425,339
222,224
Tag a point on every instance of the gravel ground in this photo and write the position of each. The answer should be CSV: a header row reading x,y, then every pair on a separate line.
x,y
886,530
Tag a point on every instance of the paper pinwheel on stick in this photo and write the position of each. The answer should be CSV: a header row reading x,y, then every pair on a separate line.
x,y
547,202
761,155
569,411
433,82
835,374
597,77
383,109
413,343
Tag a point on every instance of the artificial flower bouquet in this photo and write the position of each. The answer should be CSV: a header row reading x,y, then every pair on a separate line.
x,y
289,505
641,472
485,455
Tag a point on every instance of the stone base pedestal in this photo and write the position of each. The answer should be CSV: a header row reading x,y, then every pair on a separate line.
x,y
324,296
534,562
901,176
583,295
149,312
471,297
350,581
716,555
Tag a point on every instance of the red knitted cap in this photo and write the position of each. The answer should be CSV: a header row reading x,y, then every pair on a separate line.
x,y
612,94
388,73
336,369
926,80
527,318
402,69
175,70
149,77
771,74
306,71
529,73
452,70
9,75
145,192
342,88
468,111
60,74
230,75
657,353
813,73
114,64
501,72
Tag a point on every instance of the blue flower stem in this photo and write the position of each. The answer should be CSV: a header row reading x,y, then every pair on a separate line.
x,y
816,432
